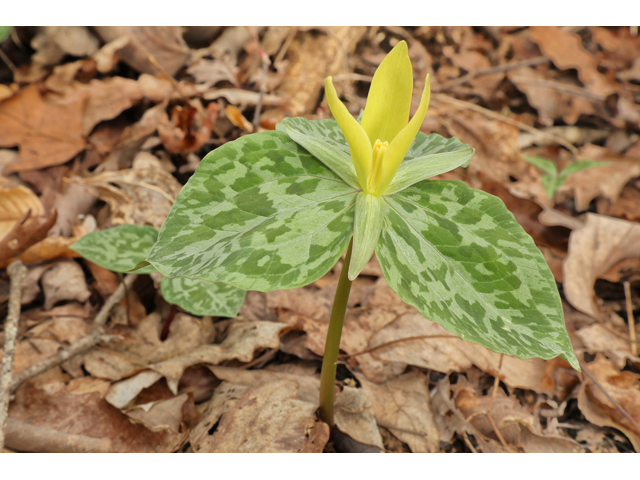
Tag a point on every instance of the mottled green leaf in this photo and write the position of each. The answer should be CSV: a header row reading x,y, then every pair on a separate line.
x,y
418,169
119,248
459,256
332,156
203,298
369,220
259,213
431,144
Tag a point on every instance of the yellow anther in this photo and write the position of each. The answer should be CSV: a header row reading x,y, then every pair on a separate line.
x,y
375,177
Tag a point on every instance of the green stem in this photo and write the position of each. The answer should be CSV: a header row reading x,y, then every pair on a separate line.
x,y
332,346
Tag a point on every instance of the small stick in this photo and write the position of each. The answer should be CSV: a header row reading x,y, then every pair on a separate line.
x,y
263,87
398,340
8,62
82,345
497,116
17,272
505,67
496,381
632,324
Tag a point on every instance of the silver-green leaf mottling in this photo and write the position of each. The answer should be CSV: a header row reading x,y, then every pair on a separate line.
x,y
259,213
369,221
119,248
459,256
203,298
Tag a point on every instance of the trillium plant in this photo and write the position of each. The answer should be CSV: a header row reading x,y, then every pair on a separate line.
x,y
277,209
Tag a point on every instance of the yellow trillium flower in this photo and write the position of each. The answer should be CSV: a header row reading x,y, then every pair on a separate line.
x,y
379,144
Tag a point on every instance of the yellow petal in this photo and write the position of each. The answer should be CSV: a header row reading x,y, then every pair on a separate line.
x,y
389,99
400,146
353,132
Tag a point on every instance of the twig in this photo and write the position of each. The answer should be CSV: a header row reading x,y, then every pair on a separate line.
x,y
17,272
26,437
632,324
285,46
8,62
496,381
82,345
497,116
465,437
564,87
263,87
615,404
398,340
505,67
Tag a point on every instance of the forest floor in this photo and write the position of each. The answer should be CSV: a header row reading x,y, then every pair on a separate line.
x,y
102,126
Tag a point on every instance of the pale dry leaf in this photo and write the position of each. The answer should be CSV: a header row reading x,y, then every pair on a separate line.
x,y
610,340
265,418
623,387
517,426
64,281
213,71
308,385
164,44
86,414
122,393
593,249
402,405
145,192
353,413
161,415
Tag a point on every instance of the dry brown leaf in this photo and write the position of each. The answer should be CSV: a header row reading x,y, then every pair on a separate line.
x,y
308,384
23,222
566,51
162,415
265,418
516,425
623,387
606,182
593,249
64,281
188,344
164,44
189,128
402,406
25,120
313,58
610,340
354,416
14,204
213,71
236,117
86,414
53,43
146,192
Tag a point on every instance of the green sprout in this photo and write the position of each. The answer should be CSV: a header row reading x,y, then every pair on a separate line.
x,y
551,179
277,210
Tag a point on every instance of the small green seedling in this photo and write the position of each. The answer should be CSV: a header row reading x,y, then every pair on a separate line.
x,y
551,179
277,209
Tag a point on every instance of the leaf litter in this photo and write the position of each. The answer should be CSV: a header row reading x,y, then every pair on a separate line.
x,y
137,108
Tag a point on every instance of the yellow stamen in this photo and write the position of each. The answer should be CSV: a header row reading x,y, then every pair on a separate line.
x,y
375,177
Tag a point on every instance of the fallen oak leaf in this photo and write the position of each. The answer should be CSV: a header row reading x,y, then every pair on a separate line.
x,y
26,122
266,418
594,248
